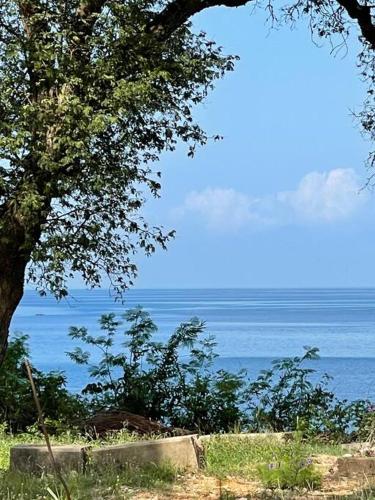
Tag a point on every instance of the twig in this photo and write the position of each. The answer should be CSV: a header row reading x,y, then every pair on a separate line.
x,y
45,432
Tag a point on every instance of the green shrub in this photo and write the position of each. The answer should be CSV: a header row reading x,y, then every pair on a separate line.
x,y
366,431
285,398
173,382
290,468
17,407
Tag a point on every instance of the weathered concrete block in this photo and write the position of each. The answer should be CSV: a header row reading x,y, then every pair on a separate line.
x,y
36,459
182,452
356,466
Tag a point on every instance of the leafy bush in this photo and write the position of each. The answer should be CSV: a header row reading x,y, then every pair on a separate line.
x,y
173,382
17,407
285,398
366,431
290,468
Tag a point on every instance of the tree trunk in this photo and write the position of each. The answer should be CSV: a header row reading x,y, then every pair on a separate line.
x,y
12,274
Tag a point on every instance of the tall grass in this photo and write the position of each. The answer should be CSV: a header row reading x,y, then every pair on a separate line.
x,y
241,457
106,484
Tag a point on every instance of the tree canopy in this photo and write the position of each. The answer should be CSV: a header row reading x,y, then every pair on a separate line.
x,y
91,93
87,103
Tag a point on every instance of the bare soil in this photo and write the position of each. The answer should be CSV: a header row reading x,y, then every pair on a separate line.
x,y
200,486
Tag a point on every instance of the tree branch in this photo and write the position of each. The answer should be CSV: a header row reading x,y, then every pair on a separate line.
x,y
362,14
87,13
178,12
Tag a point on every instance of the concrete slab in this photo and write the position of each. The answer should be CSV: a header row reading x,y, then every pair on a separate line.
x,y
36,459
182,452
356,466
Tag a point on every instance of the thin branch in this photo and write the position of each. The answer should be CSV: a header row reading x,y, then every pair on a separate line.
x,y
45,432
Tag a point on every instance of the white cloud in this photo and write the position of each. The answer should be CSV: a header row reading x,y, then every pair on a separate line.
x,y
320,197
325,196
222,208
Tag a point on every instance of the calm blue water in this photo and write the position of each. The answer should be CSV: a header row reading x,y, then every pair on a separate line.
x,y
252,327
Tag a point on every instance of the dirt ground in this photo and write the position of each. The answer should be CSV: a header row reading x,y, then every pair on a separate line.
x,y
199,486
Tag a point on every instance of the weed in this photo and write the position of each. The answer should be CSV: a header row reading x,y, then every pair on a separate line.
x,y
291,467
226,455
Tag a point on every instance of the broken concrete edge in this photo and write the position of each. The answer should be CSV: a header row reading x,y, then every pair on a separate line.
x,y
355,466
182,452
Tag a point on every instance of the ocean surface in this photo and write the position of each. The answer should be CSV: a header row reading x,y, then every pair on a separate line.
x,y
252,327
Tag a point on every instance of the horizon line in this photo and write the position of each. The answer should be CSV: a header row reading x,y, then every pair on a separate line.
x,y
134,288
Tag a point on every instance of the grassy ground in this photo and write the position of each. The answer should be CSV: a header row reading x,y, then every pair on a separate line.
x,y
225,457
109,484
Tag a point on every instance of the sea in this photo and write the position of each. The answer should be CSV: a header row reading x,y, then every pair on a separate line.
x,y
252,327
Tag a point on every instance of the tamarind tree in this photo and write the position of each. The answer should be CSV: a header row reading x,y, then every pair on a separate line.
x,y
91,93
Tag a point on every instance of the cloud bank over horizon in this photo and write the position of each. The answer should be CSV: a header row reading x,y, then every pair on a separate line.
x,y
320,197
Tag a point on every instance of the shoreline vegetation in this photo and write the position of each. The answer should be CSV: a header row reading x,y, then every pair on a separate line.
x,y
174,383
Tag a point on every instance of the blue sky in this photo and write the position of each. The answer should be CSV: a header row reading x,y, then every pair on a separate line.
x,y
277,203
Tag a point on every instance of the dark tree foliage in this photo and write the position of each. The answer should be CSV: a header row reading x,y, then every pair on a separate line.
x,y
91,93
88,101
17,407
